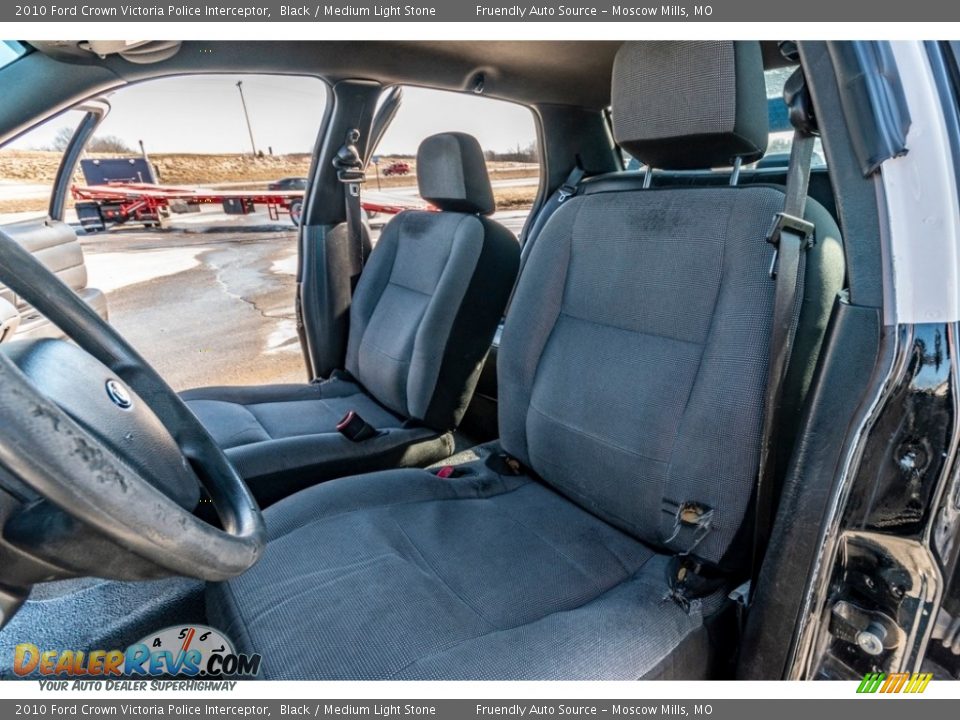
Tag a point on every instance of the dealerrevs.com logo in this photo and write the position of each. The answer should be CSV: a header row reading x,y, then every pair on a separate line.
x,y
193,651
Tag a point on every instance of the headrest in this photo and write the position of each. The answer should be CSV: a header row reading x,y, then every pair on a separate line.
x,y
452,174
690,104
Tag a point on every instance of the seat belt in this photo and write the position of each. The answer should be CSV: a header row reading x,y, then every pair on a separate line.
x,y
791,237
349,167
569,188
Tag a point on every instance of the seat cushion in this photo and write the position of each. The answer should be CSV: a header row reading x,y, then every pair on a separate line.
x,y
282,438
405,575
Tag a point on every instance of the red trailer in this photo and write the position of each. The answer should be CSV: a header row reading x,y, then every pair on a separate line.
x,y
102,206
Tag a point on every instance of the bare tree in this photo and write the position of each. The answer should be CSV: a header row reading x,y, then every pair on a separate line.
x,y
61,139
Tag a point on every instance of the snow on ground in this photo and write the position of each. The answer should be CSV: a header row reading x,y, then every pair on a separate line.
x,y
110,271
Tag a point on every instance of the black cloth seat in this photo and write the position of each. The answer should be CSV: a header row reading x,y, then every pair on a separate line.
x,y
421,322
403,575
631,369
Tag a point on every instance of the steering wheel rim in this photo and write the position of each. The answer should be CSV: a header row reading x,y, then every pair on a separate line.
x,y
69,466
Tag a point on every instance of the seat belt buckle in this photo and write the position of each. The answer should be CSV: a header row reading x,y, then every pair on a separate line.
x,y
565,192
790,223
449,472
355,429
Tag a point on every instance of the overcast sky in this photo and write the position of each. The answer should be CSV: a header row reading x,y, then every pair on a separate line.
x,y
203,115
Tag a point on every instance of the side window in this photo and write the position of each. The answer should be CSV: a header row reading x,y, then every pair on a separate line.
x,y
28,167
204,284
505,131
182,204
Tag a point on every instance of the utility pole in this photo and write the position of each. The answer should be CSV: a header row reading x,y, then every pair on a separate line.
x,y
247,116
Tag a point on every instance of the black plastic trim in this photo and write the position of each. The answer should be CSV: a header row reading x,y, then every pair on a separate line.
x,y
71,156
872,100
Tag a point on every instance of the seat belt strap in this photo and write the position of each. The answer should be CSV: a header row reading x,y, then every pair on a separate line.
x,y
569,188
791,236
349,167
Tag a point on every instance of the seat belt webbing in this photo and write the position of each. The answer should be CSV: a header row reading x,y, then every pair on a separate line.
x,y
790,236
568,189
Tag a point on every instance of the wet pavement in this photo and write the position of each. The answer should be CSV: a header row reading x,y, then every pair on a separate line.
x,y
213,309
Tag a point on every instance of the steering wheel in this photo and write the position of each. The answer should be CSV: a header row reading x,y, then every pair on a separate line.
x,y
101,463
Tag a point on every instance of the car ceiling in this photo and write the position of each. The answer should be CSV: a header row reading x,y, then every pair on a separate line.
x,y
528,72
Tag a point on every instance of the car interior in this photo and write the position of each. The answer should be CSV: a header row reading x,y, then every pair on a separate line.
x,y
511,458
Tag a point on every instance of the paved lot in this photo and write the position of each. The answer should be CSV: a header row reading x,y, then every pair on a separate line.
x,y
207,308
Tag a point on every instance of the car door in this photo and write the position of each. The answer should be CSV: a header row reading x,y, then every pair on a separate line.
x,y
47,234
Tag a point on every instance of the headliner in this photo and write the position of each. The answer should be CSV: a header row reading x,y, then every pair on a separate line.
x,y
528,72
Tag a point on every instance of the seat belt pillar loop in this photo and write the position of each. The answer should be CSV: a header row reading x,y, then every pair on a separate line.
x,y
350,172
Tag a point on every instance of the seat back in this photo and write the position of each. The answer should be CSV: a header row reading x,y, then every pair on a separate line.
x,y
633,361
433,290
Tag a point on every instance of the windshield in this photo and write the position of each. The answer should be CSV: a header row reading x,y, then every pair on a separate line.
x,y
10,50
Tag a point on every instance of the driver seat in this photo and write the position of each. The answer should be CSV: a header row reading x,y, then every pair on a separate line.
x,y
632,371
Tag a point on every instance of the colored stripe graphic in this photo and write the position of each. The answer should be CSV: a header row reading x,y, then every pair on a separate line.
x,y
914,683
871,682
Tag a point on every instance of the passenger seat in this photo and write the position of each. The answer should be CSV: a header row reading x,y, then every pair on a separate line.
x,y
422,319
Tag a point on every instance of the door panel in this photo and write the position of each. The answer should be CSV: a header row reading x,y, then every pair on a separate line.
x,y
55,244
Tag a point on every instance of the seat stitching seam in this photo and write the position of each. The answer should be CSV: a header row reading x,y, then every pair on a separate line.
x,y
496,630
440,577
347,570
241,432
634,331
525,440
554,547
375,348
391,505
593,437
407,287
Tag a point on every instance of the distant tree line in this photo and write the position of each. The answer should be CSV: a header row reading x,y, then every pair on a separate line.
x,y
523,154
527,154
97,144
